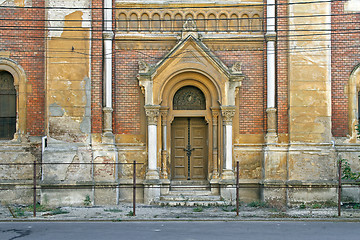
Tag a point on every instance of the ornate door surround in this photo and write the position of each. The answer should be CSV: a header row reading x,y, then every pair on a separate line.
x,y
190,63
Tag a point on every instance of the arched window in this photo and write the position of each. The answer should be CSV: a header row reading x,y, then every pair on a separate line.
x,y
7,106
189,98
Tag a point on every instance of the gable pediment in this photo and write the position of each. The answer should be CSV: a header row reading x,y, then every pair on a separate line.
x,y
190,55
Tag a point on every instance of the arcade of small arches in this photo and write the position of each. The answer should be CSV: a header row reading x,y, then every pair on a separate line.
x,y
224,22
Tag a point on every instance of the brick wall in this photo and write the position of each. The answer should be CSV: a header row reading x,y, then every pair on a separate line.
x,y
127,91
252,91
22,34
96,67
345,56
282,66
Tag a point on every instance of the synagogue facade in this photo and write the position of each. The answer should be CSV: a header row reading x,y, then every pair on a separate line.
x,y
188,90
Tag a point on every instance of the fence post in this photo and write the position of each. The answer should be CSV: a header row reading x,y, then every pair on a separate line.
x,y
134,188
34,189
237,188
339,190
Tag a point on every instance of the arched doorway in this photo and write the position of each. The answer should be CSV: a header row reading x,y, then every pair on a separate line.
x,y
190,127
189,141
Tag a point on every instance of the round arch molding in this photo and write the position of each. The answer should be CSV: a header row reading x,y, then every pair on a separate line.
x,y
20,82
194,79
354,89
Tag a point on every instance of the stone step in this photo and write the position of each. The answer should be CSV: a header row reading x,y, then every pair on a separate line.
x,y
182,197
192,203
189,183
178,188
189,193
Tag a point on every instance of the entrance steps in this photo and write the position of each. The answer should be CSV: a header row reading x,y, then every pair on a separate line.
x,y
191,193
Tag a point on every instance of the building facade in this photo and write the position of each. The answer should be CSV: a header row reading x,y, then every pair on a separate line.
x,y
186,89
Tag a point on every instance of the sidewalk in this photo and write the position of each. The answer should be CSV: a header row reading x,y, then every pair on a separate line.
x,y
180,213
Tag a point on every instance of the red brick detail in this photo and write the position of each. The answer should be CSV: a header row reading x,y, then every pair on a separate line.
x,y
252,90
22,33
127,93
282,66
344,58
96,67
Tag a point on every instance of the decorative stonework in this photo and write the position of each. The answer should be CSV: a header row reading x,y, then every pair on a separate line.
x,y
220,20
164,113
189,98
143,67
189,25
152,113
215,115
228,113
236,68
108,35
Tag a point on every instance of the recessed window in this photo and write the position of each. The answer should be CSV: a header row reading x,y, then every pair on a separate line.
x,y
7,106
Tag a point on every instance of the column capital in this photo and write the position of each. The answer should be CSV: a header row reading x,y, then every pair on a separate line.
x,y
164,112
228,113
152,113
215,112
108,35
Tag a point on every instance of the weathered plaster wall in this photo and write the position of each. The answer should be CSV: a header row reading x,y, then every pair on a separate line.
x,y
309,75
68,74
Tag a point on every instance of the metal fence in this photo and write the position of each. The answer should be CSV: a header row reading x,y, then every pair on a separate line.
x,y
134,187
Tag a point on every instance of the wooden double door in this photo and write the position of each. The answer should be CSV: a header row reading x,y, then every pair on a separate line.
x,y
189,148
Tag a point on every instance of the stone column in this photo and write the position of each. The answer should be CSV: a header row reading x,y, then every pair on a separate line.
x,y
215,115
228,113
108,135
152,113
152,181
271,136
164,155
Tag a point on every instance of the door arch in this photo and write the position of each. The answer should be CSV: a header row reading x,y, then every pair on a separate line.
x,y
190,111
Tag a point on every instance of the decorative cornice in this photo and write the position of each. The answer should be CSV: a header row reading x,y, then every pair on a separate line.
x,y
152,113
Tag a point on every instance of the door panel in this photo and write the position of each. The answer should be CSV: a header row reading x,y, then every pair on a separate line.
x,y
193,132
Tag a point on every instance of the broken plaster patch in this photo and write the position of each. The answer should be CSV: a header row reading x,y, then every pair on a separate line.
x,y
56,110
352,6
85,125
58,10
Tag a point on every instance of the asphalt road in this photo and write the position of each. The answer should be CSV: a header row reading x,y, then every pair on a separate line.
x,y
180,230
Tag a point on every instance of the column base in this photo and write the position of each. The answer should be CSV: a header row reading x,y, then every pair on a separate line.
x,y
215,175
271,138
152,175
108,138
228,175
151,193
